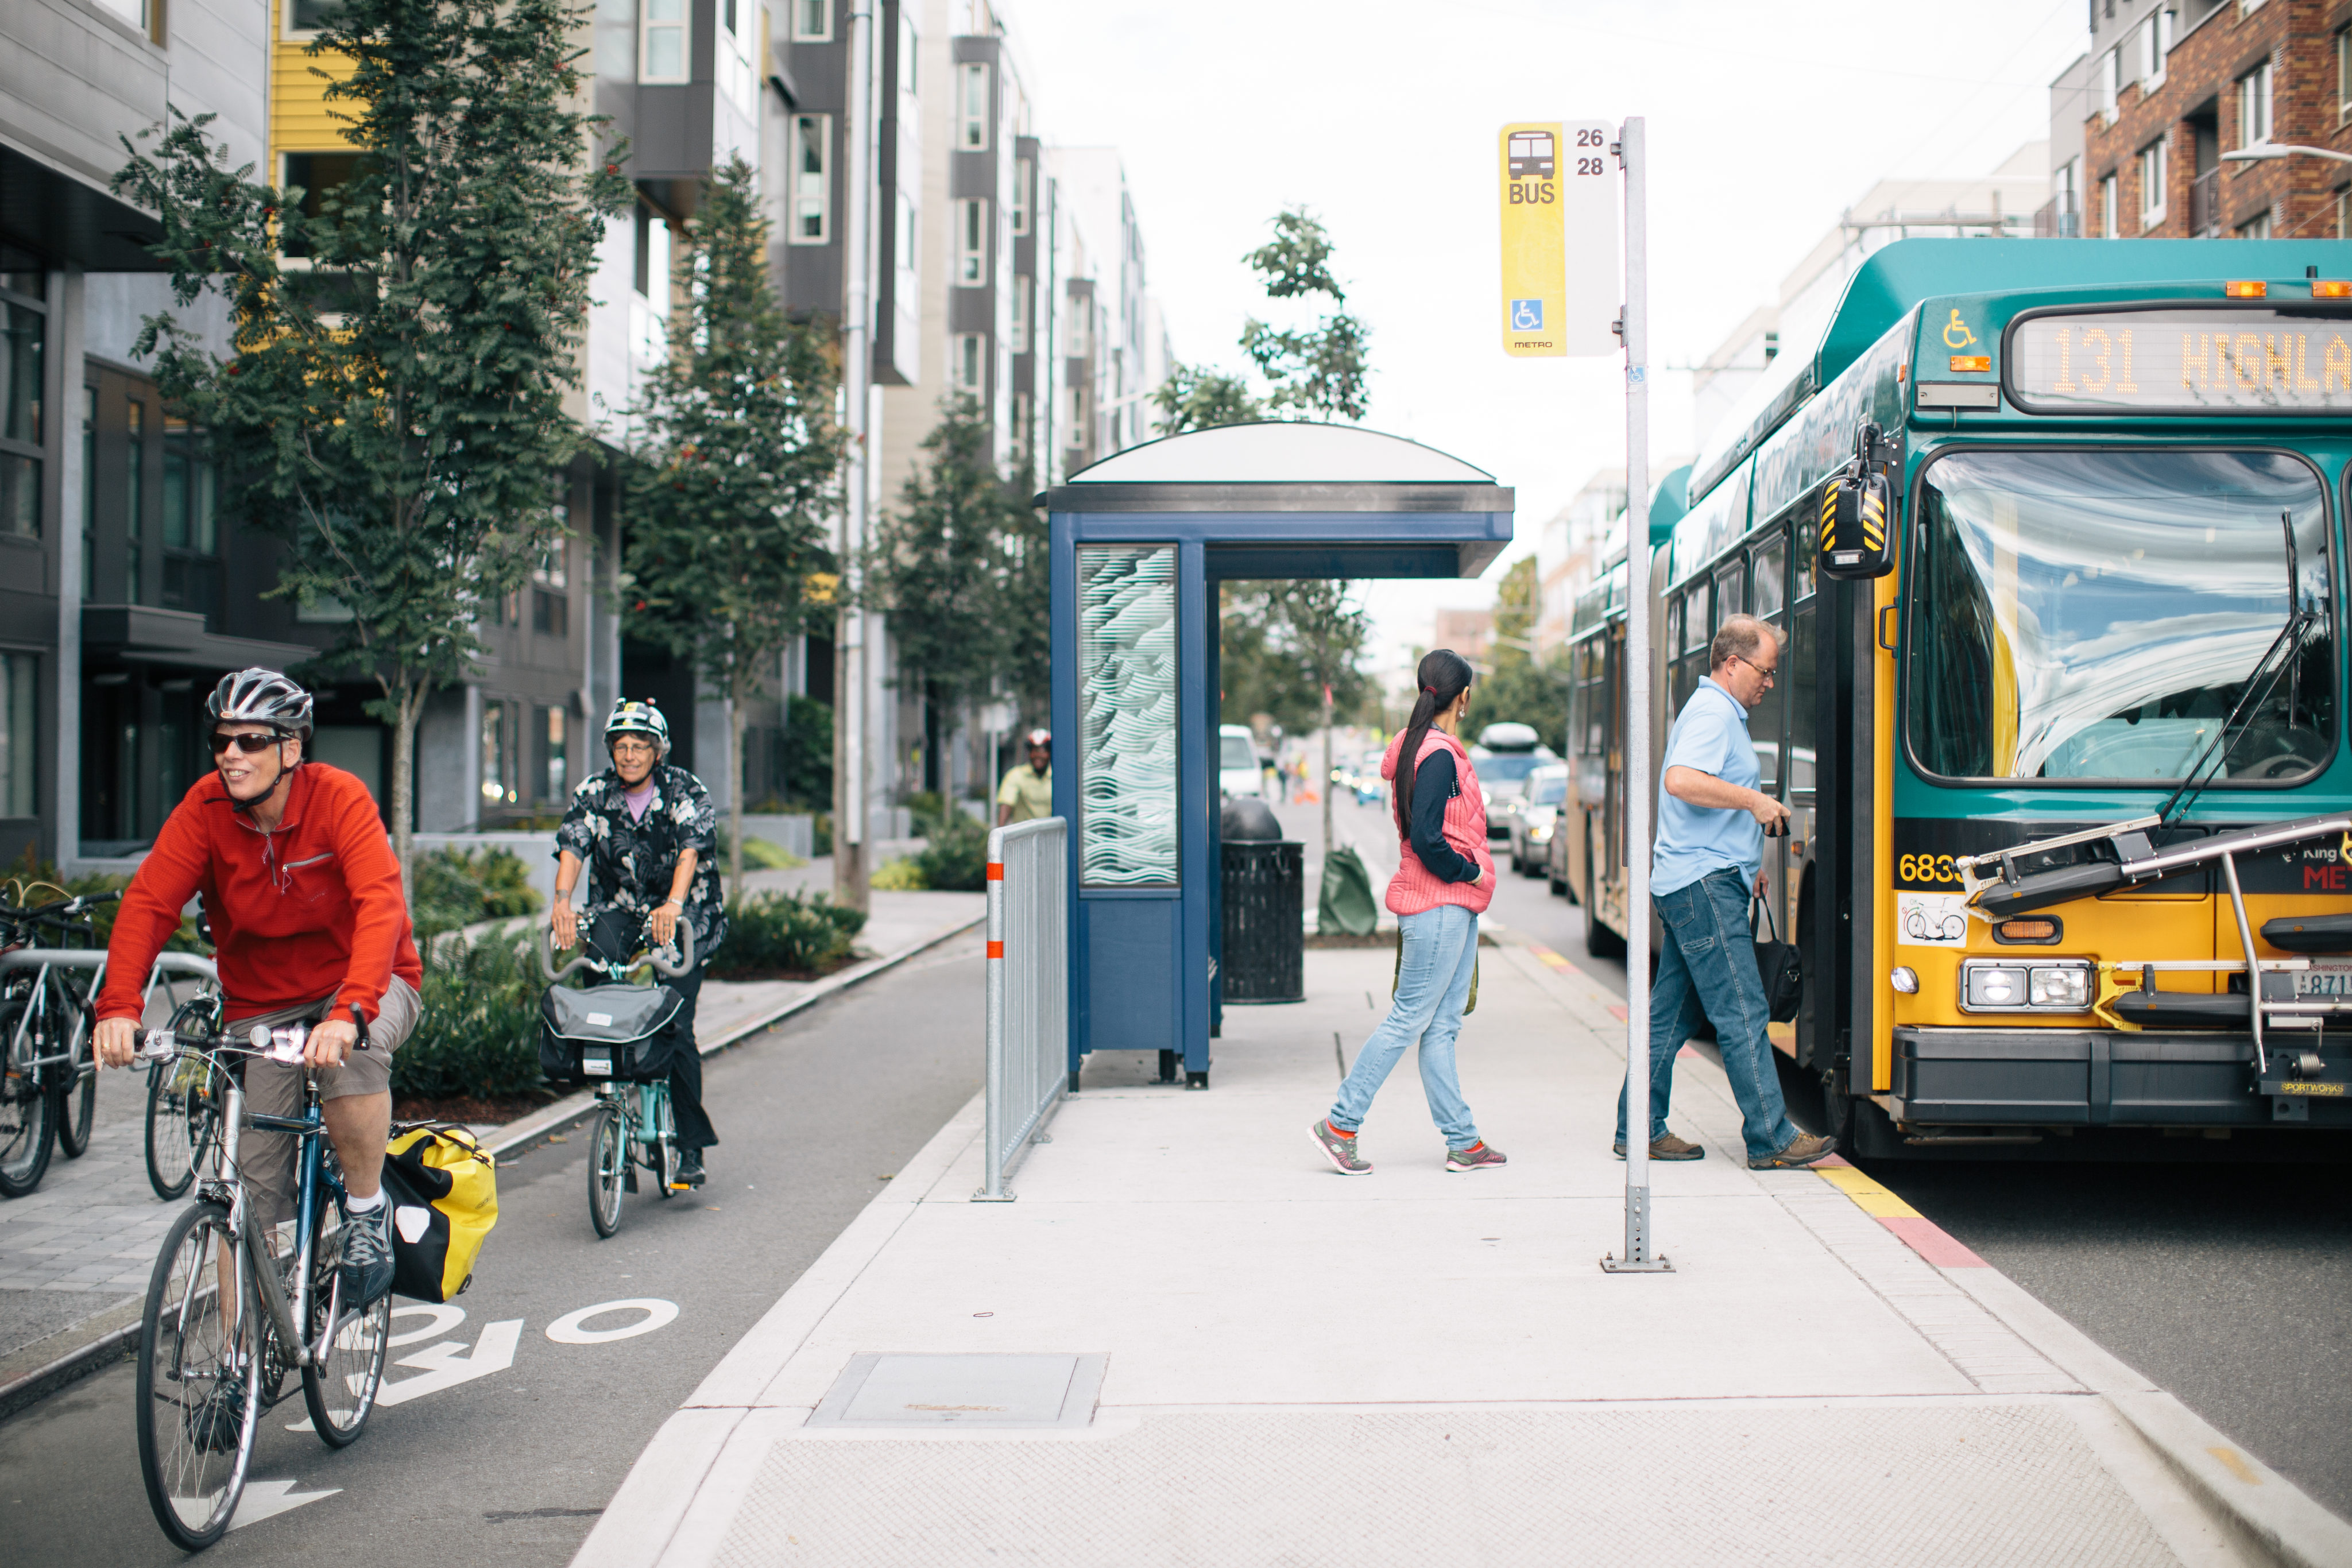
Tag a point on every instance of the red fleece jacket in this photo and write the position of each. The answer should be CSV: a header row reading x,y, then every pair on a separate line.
x,y
313,907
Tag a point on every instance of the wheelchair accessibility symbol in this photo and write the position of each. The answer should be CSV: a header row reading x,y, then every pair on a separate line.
x,y
1957,334
1527,315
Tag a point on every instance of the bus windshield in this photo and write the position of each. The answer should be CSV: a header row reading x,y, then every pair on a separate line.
x,y
2094,615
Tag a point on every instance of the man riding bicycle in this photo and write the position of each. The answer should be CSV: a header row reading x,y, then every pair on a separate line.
x,y
308,922
644,829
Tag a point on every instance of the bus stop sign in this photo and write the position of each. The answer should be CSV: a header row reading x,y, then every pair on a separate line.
x,y
1559,239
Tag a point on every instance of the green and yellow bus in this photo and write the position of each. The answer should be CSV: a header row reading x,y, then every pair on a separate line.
x,y
2065,737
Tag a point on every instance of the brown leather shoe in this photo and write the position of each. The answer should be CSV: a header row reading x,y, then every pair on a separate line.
x,y
1804,1149
1670,1148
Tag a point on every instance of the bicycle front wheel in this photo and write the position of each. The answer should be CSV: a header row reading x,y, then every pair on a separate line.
x,y
608,1165
28,1122
341,1393
199,1394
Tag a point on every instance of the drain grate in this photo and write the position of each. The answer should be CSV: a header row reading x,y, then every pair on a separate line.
x,y
963,1390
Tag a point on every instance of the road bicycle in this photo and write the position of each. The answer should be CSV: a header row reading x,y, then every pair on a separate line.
x,y
632,1128
227,1318
48,1095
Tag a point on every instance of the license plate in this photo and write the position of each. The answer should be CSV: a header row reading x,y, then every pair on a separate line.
x,y
2326,977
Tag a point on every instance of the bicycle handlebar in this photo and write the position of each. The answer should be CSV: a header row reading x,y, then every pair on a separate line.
x,y
586,960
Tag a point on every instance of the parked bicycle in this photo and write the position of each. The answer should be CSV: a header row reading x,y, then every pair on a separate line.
x,y
186,1101
48,1097
226,1318
619,1037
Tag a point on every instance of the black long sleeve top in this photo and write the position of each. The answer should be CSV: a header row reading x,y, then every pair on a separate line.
x,y
1435,783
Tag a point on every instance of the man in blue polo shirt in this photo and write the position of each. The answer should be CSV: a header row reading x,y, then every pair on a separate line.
x,y
1710,849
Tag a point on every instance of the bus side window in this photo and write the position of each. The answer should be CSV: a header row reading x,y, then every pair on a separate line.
x,y
1768,585
1798,668
1728,597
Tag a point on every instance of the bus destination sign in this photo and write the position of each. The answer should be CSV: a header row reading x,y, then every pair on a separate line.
x,y
2183,361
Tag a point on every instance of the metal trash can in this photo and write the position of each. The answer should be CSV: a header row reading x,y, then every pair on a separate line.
x,y
1265,922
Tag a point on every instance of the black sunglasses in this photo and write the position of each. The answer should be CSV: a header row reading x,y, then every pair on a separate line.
x,y
246,745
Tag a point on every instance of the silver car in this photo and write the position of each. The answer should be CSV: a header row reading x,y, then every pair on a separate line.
x,y
1535,816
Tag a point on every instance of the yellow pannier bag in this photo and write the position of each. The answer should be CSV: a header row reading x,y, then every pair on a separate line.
x,y
443,1187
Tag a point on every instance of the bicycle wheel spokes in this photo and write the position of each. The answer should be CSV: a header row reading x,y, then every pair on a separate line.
x,y
181,1124
77,1108
341,1393
198,1400
608,1164
28,1130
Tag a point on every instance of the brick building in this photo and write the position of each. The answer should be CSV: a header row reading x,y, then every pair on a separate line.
x,y
2170,86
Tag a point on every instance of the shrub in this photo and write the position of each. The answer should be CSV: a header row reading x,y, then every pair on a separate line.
x,y
478,1036
759,855
457,887
956,859
785,933
900,875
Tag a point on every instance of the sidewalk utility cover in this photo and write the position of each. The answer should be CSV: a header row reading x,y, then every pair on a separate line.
x,y
963,1390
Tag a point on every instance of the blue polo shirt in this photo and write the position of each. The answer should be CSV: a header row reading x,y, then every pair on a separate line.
x,y
1711,736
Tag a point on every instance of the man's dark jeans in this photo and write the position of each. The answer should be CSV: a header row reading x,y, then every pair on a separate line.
x,y
1708,960
616,934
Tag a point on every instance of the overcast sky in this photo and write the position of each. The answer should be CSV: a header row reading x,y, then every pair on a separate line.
x,y
1764,120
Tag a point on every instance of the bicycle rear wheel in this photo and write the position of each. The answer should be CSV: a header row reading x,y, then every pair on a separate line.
x,y
341,1393
199,1394
608,1164
28,1123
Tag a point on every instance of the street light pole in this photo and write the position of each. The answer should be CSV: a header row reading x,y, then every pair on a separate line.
x,y
850,672
2270,150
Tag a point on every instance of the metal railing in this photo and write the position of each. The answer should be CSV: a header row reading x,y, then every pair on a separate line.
x,y
1028,991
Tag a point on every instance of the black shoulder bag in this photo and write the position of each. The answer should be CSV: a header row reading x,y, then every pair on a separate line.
x,y
1778,965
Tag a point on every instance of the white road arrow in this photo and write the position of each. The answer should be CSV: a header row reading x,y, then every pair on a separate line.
x,y
268,1499
447,1364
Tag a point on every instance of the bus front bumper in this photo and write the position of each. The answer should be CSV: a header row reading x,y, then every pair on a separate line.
x,y
2095,1078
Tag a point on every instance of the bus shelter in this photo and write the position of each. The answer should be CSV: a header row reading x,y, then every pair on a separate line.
x,y
1139,542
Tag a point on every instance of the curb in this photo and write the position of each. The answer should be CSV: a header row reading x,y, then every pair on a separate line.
x,y
115,1342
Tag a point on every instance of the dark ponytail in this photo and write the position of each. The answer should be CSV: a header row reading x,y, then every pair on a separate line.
x,y
1444,676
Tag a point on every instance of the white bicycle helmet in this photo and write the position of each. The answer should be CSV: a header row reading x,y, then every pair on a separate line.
x,y
261,697
631,716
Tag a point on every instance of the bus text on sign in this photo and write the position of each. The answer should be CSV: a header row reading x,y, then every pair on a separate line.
x,y
2200,360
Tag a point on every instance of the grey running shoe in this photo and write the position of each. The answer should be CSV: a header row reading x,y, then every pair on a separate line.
x,y
1478,1156
1804,1149
216,1421
367,1256
1339,1151
1670,1148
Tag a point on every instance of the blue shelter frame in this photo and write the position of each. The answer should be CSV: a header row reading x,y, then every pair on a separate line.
x,y
1139,542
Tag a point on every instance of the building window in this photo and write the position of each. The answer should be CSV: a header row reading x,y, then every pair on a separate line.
x,y
2109,212
971,363
812,194
649,303
906,234
2344,214
2152,169
736,78
2155,43
2258,227
661,42
1078,416
141,15
304,17
19,713
496,790
971,108
2343,75
1023,290
89,493
1081,317
1024,193
971,242
192,568
910,60
547,767
551,613
2254,106
2110,86
23,327
811,21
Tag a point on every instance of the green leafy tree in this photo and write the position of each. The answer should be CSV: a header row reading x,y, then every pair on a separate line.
x,y
1516,688
1195,397
734,472
392,411
1322,370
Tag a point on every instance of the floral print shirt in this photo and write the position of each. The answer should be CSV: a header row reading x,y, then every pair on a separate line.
x,y
630,862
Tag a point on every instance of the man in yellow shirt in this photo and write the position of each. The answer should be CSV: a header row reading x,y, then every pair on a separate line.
x,y
1028,792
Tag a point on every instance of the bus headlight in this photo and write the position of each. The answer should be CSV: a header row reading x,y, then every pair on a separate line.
x,y
1991,986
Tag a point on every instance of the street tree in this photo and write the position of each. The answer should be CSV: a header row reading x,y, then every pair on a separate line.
x,y
391,407
1324,635
733,474
1195,397
1322,370
1515,686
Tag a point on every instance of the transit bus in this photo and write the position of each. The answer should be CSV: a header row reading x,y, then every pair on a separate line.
x,y
2063,734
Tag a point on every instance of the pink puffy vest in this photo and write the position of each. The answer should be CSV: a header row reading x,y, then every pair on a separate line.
x,y
1416,888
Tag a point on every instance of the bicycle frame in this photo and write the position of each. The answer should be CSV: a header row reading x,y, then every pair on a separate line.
x,y
312,1185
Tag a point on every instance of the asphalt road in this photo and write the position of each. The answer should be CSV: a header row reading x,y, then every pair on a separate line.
x,y
2230,1285
513,1466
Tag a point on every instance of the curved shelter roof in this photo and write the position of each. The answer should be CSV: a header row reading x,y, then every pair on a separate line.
x,y
1295,498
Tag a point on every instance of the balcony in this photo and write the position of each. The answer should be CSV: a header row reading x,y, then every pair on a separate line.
x,y
2205,206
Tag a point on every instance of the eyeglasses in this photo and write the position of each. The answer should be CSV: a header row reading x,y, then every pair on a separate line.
x,y
1768,674
246,744
634,749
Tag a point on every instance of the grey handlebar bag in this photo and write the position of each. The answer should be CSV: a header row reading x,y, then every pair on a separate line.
x,y
624,1034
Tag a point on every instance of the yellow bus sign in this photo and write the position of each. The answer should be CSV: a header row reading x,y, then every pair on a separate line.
x,y
1559,203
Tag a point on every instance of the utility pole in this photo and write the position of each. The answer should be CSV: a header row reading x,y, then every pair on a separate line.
x,y
850,871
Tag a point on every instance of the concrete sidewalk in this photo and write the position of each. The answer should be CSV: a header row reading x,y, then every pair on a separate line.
x,y
1296,1367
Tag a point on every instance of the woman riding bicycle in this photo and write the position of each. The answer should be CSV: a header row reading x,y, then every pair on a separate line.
x,y
644,830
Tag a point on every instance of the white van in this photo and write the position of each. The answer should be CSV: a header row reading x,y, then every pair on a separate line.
x,y
1237,767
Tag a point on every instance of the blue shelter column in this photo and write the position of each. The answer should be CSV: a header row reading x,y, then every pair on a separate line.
x,y
1196,836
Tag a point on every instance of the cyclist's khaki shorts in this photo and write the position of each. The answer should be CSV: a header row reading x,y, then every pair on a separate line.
x,y
274,1089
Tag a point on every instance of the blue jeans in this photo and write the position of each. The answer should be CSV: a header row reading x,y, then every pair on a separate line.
x,y
1440,953
1708,960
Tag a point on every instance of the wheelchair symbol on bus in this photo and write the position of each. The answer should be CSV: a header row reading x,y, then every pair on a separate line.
x,y
1527,315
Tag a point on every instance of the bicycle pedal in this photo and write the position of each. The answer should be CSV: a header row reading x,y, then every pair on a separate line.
x,y
629,1180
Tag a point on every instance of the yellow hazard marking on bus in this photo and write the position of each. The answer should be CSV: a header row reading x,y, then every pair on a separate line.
x,y
1868,1196
1958,326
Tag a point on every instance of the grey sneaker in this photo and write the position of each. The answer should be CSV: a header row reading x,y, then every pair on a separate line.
x,y
1669,1148
1804,1149
1339,1151
367,1256
216,1422
1478,1156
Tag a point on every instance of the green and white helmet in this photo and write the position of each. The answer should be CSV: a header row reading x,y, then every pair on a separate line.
x,y
631,716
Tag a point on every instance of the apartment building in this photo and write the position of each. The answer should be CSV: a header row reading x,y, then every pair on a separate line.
x,y
2171,88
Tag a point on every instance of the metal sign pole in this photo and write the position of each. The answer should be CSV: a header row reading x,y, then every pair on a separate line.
x,y
1638,1256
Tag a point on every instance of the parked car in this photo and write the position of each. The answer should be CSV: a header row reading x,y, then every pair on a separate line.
x,y
1505,756
1537,817
1237,766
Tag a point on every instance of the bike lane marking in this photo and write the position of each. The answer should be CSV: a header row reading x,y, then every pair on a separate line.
x,y
268,1499
569,1328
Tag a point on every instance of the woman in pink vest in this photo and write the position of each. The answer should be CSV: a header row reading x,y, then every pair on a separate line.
x,y
1444,879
